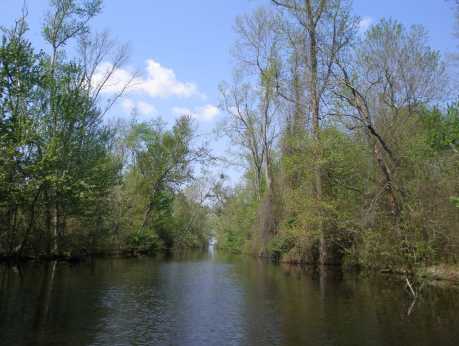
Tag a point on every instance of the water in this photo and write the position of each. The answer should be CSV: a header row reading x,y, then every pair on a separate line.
x,y
205,299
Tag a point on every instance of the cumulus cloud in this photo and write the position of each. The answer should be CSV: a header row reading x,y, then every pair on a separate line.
x,y
114,81
139,107
159,81
207,112
162,82
365,24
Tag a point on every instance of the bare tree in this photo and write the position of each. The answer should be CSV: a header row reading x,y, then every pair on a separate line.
x,y
391,71
101,59
257,53
244,126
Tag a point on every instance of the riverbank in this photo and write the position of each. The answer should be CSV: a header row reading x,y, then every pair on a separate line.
x,y
83,255
439,275
76,256
442,274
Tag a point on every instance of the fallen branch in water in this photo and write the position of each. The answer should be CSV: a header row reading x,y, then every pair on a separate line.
x,y
410,310
413,292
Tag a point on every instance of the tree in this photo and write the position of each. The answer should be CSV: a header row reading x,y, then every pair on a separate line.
x,y
58,154
251,102
161,163
245,128
394,74
328,28
20,150
71,99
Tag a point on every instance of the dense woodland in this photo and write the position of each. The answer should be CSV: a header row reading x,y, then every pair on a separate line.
x,y
349,138
70,182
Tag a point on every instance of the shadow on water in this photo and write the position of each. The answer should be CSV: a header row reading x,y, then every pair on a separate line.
x,y
198,298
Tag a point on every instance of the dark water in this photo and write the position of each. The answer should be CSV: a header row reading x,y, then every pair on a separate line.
x,y
214,300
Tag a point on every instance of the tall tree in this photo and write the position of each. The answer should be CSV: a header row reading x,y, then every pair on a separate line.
x,y
393,74
328,28
248,127
20,79
256,54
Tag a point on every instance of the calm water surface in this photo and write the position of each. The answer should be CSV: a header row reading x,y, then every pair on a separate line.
x,y
203,299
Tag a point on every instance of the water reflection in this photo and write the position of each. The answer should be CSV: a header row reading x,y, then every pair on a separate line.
x,y
197,299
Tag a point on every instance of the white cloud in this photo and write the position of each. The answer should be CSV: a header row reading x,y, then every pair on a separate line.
x,y
140,107
145,108
118,80
162,82
207,112
159,81
365,24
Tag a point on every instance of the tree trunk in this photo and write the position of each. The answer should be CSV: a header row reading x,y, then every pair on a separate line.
x,y
55,227
394,204
315,111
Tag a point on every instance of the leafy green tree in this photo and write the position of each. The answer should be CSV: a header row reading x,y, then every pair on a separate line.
x,y
161,163
20,147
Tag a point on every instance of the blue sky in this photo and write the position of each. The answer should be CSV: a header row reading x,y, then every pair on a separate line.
x,y
187,44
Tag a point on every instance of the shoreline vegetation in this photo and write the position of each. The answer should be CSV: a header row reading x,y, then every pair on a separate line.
x,y
349,141
71,179
76,257
84,255
442,276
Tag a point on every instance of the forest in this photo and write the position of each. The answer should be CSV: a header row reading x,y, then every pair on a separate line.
x,y
71,183
349,141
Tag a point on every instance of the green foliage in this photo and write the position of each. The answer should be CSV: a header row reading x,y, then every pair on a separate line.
x,y
147,240
282,244
442,129
366,170
65,181
234,224
160,164
353,210
68,18
342,166
191,223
